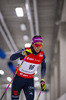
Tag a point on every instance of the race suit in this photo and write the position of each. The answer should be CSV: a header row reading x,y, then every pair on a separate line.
x,y
24,78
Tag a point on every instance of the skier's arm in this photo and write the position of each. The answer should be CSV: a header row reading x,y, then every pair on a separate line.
x,y
17,55
43,71
43,67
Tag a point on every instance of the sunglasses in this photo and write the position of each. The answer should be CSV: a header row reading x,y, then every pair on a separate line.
x,y
38,45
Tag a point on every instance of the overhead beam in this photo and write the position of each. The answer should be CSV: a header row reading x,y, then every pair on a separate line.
x,y
36,17
7,32
29,17
6,39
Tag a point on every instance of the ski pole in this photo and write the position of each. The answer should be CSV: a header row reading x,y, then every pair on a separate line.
x,y
26,53
11,80
39,95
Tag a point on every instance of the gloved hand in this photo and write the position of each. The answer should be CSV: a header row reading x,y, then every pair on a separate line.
x,y
27,52
43,85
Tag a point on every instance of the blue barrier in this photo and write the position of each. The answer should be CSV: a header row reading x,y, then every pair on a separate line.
x,y
2,54
11,67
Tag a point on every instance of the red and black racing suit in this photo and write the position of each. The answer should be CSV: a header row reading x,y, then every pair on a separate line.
x,y
24,78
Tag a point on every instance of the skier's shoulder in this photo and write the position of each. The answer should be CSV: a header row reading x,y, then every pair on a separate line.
x,y
28,48
42,52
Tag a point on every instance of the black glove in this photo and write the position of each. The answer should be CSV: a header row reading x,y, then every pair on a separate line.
x,y
43,85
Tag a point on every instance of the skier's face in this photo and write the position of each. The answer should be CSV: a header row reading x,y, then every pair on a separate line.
x,y
37,46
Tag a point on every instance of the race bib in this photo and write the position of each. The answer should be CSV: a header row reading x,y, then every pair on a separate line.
x,y
28,68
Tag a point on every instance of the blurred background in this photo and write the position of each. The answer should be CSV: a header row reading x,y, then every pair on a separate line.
x,y
20,20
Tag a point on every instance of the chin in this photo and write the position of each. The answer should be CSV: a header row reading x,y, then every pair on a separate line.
x,y
37,51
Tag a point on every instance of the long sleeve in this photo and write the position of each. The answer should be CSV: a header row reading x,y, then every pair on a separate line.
x,y
17,55
43,67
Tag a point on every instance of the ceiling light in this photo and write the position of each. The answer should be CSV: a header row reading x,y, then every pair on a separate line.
x,y
1,72
5,85
19,12
27,45
36,78
25,37
9,85
35,72
9,79
37,84
23,27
